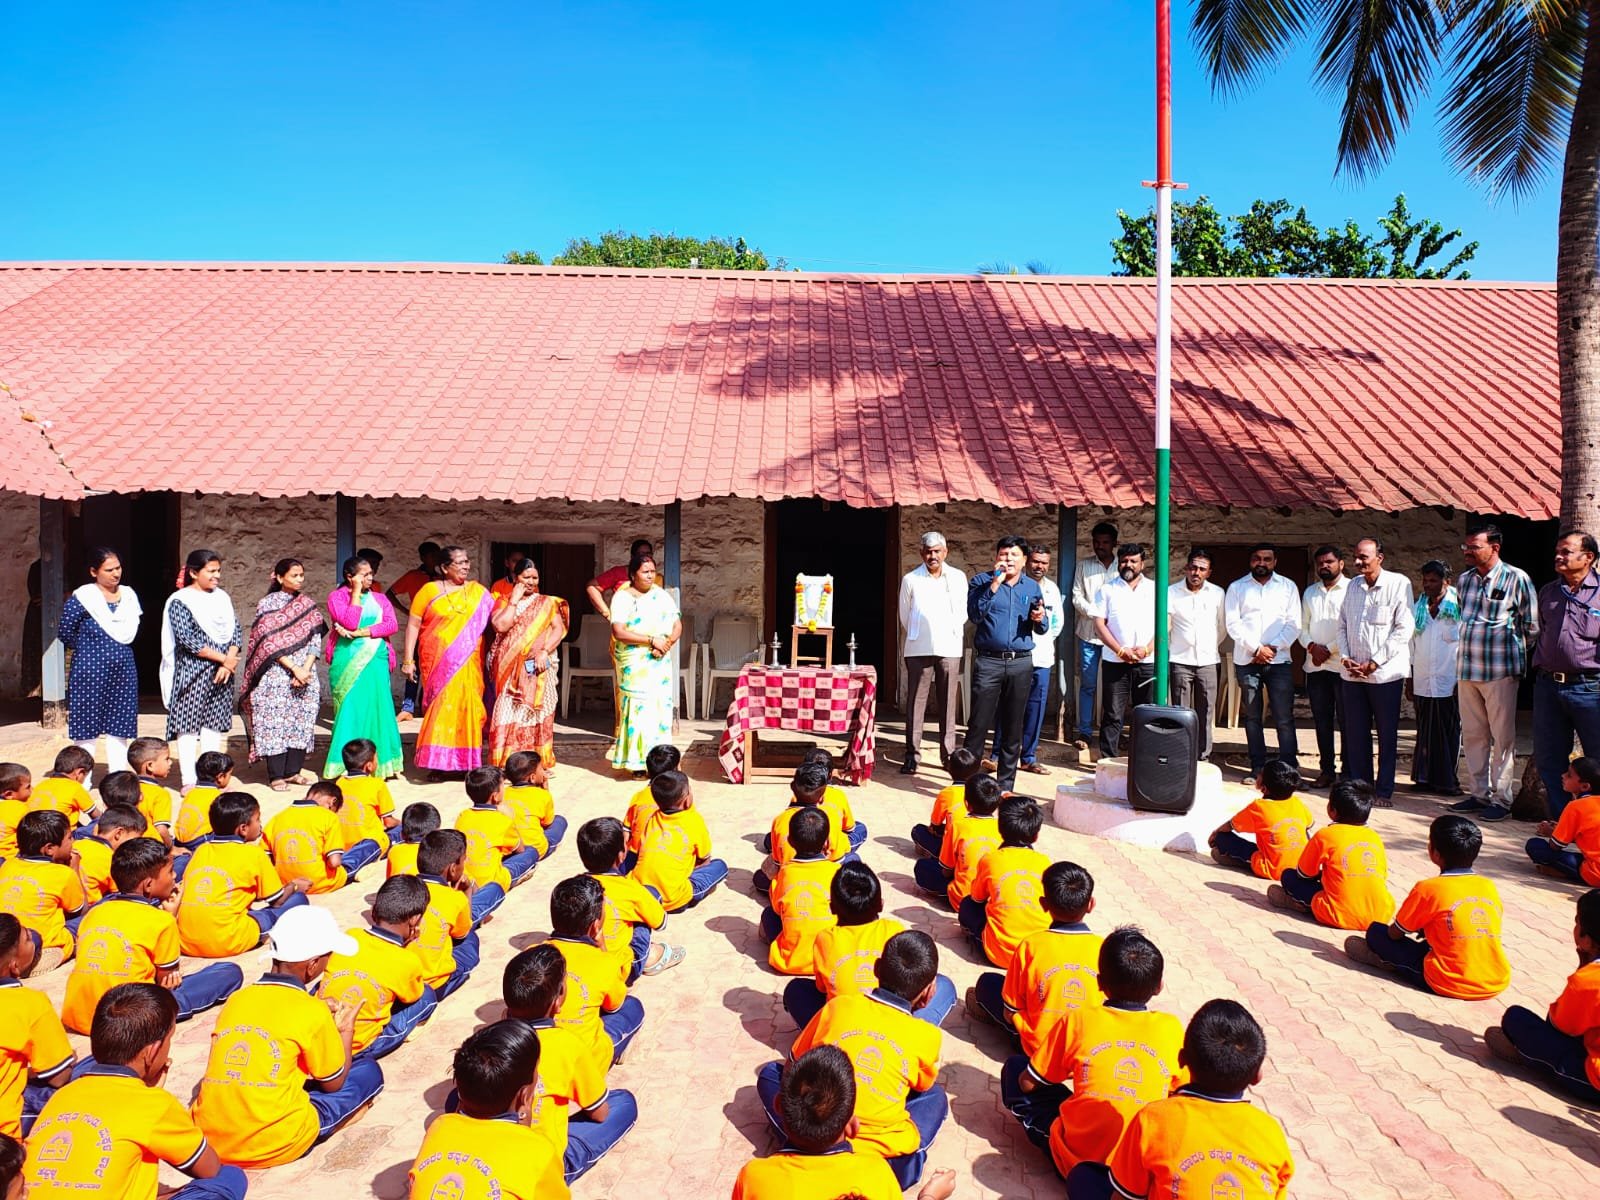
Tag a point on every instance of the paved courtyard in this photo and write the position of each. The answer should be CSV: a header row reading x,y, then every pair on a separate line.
x,y
1385,1091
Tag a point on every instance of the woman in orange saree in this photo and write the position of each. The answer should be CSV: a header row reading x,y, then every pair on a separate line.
x,y
523,669
444,647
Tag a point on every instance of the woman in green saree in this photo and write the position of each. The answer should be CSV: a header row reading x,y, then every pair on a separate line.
x,y
359,661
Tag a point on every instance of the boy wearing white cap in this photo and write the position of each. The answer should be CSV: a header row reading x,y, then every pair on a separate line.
x,y
281,1078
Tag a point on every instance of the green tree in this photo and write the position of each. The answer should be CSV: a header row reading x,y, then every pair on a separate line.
x,y
1271,240
1523,89
619,248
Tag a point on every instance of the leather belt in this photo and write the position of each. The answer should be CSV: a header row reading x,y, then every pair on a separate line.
x,y
1005,655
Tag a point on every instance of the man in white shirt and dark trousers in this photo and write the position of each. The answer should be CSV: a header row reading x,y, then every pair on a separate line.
x,y
1263,618
1375,628
1319,634
1195,621
1087,579
1437,620
1044,661
933,615
1125,619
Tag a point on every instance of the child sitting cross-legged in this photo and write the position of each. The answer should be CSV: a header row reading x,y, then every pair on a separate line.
x,y
845,955
1054,971
107,1131
674,846
1279,822
447,940
633,911
368,810
597,1007
485,1150
381,976
35,1057
43,888
816,1113
228,877
115,825
799,896
213,776
495,852
281,1077
62,789
131,937
659,760
1098,1065
533,809
417,821
899,1103
806,789
950,802
307,841
1004,907
1569,848
967,838
1342,878
1206,1139
1564,1043
1457,917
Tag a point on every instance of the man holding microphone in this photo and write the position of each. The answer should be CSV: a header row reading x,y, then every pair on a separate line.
x,y
1007,609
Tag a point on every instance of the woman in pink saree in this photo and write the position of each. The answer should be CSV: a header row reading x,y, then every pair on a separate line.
x,y
444,648
523,669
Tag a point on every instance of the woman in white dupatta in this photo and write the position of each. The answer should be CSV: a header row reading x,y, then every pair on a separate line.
x,y
98,624
200,638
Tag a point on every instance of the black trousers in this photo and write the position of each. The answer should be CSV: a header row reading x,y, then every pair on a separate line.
x,y
1000,689
1122,685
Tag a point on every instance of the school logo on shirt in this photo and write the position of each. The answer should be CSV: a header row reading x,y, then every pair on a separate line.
x,y
21,895
1017,889
207,886
1071,992
55,1159
451,1187
106,950
1128,1075
856,966
299,849
1227,1187
805,902
870,1053
1360,860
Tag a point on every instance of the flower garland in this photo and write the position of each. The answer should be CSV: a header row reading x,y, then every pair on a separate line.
x,y
813,602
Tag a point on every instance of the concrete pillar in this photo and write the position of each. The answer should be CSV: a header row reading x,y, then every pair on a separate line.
x,y
344,533
52,573
672,543
1067,642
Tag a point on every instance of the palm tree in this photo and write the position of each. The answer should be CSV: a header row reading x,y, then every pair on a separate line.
x,y
1523,79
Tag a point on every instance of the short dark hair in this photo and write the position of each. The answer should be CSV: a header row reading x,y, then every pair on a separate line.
x,y
418,820
231,810
328,788
120,816
633,546
1588,916
1434,567
1588,770
1456,839
137,859
908,964
1279,779
143,751
983,795
1260,546
1351,801
13,776
1068,888
1491,532
575,905
12,1157
532,981
357,753
482,783
520,766
1103,529
1327,548
493,1065
1130,550
1020,821
1196,553
855,895
817,1098
1586,540
962,765
1377,544
213,765
10,933
72,758
1011,542
400,898
1130,966
121,787
819,755
600,841
808,831
426,548
439,850
809,782
40,828
128,1018
373,556
668,789
664,757
1223,1048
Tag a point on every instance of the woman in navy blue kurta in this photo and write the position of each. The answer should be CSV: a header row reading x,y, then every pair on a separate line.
x,y
98,624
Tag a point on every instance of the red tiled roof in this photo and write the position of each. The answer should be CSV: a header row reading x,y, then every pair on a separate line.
x,y
519,383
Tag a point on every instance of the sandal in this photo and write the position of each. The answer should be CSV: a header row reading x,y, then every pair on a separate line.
x,y
671,956
279,785
1383,802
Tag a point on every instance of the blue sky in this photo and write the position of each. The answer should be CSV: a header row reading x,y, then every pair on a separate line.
x,y
843,136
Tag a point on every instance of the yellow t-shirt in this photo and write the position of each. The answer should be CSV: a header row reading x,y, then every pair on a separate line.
x,y
403,859
640,807
800,898
11,811
1008,884
32,1041
94,867
380,973
569,1081
155,802
271,1038
1195,1147
838,1171
1355,877
123,939
42,894
302,837
1459,912
949,803
627,905
1055,971
447,921
57,793
1281,828
596,983
465,1158
491,835
836,804
225,877
782,852
194,813
844,958
532,808
104,1135
366,802
966,840
1576,1013
893,1053
670,846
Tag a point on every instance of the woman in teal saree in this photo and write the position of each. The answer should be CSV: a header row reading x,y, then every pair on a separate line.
x,y
359,661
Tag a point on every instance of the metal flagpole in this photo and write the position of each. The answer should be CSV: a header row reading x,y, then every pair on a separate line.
x,y
1163,185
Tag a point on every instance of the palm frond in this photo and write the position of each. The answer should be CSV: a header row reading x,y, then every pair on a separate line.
x,y
1514,81
1380,55
1240,39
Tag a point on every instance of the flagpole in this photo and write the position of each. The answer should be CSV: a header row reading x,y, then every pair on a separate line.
x,y
1163,440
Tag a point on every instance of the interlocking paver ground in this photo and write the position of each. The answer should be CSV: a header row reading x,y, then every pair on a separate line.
x,y
1385,1091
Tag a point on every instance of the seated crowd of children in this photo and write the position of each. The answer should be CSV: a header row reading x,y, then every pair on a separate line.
x,y
1122,1099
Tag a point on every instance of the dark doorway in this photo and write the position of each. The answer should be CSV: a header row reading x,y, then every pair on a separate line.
x,y
856,547
143,530
565,569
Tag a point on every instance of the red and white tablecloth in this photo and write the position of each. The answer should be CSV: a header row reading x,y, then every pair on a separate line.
x,y
840,700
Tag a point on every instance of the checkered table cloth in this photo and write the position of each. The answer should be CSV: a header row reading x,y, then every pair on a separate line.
x,y
809,700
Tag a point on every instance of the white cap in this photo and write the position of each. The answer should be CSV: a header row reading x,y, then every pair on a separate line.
x,y
308,932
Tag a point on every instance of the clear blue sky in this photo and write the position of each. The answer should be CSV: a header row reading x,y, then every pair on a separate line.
x,y
844,136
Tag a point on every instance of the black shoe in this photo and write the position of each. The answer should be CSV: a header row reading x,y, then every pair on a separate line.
x,y
1323,781
1495,812
909,767
1470,804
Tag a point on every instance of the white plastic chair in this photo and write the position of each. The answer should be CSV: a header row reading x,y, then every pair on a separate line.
x,y
593,647
735,641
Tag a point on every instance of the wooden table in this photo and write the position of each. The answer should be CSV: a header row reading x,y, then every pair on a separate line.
x,y
838,700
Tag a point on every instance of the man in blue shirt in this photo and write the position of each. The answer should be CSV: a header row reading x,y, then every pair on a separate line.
x,y
1007,608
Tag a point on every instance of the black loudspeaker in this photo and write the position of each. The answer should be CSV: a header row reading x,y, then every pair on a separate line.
x,y
1162,758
